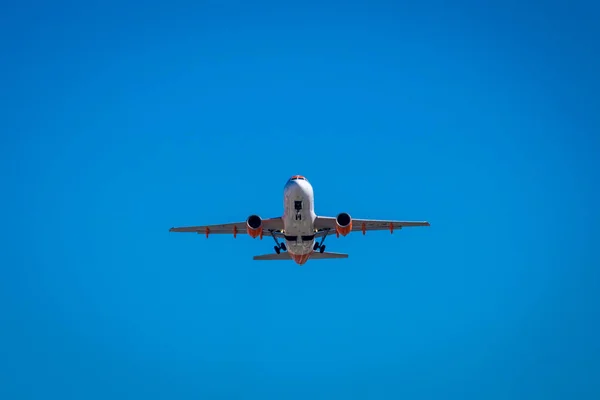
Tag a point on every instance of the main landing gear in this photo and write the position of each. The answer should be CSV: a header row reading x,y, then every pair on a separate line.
x,y
320,246
280,246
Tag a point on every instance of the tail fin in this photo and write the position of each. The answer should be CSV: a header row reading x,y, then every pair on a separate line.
x,y
286,256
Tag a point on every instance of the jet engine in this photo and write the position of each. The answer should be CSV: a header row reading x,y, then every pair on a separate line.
x,y
254,226
343,224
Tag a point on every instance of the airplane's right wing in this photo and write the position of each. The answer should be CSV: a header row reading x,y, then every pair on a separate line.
x,y
271,226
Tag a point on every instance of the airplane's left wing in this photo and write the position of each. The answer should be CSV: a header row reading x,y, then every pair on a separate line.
x,y
328,224
271,226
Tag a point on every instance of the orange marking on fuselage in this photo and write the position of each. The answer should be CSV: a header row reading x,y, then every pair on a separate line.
x,y
391,227
300,259
207,231
235,231
364,228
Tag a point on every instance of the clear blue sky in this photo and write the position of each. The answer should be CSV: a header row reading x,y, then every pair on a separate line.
x,y
121,120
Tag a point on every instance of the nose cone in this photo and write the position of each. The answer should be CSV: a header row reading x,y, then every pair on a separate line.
x,y
298,190
297,179
294,185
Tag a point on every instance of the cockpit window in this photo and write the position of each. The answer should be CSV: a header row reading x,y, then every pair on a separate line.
x,y
300,177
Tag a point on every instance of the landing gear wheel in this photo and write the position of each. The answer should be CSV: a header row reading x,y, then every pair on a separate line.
x,y
322,249
277,249
316,246
283,247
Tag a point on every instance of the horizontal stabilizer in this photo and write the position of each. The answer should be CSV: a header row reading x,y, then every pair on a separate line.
x,y
326,255
286,256
273,256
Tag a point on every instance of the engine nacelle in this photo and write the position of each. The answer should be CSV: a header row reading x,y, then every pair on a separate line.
x,y
254,226
343,224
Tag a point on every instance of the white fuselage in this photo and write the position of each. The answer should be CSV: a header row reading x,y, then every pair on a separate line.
x,y
298,219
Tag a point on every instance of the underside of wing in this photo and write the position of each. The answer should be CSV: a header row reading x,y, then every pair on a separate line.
x,y
380,225
268,227
329,224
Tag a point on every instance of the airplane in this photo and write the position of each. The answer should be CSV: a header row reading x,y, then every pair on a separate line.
x,y
300,228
